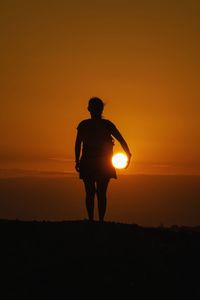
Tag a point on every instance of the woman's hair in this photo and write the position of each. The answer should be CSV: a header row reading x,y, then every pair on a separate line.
x,y
96,106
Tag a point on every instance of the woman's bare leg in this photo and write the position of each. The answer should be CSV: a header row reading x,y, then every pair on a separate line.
x,y
102,186
90,191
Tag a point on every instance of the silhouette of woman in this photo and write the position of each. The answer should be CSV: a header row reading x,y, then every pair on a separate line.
x,y
94,143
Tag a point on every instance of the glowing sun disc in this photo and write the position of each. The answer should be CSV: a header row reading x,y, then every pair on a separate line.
x,y
119,160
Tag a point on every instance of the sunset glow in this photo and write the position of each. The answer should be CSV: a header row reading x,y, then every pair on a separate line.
x,y
140,57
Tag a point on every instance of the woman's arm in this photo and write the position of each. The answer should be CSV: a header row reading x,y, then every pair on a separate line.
x,y
116,134
77,150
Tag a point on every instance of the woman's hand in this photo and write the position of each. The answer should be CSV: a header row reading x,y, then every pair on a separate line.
x,y
77,166
129,159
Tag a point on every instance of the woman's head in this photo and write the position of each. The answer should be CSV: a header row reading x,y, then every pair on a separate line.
x,y
95,106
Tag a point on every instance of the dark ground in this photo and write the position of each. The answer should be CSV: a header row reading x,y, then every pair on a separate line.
x,y
76,259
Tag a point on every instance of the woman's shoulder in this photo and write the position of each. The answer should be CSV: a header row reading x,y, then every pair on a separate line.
x,y
109,123
83,123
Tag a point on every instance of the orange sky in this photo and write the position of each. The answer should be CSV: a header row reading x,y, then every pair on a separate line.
x,y
141,57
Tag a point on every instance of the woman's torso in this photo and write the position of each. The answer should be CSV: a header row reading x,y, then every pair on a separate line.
x,y
96,137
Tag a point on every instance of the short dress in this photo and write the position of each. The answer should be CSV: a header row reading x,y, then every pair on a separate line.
x,y
97,149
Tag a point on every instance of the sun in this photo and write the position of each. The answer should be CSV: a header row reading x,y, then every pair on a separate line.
x,y
119,160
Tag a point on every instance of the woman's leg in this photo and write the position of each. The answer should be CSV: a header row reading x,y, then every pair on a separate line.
x,y
102,185
90,191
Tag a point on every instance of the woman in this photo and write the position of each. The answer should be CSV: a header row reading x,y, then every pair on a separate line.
x,y
94,143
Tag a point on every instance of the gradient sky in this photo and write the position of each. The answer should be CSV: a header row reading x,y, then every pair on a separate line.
x,y
141,57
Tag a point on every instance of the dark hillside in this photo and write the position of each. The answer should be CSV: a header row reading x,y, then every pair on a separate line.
x,y
54,260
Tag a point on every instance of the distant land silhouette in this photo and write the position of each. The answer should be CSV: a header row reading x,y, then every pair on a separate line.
x,y
146,200
57,260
